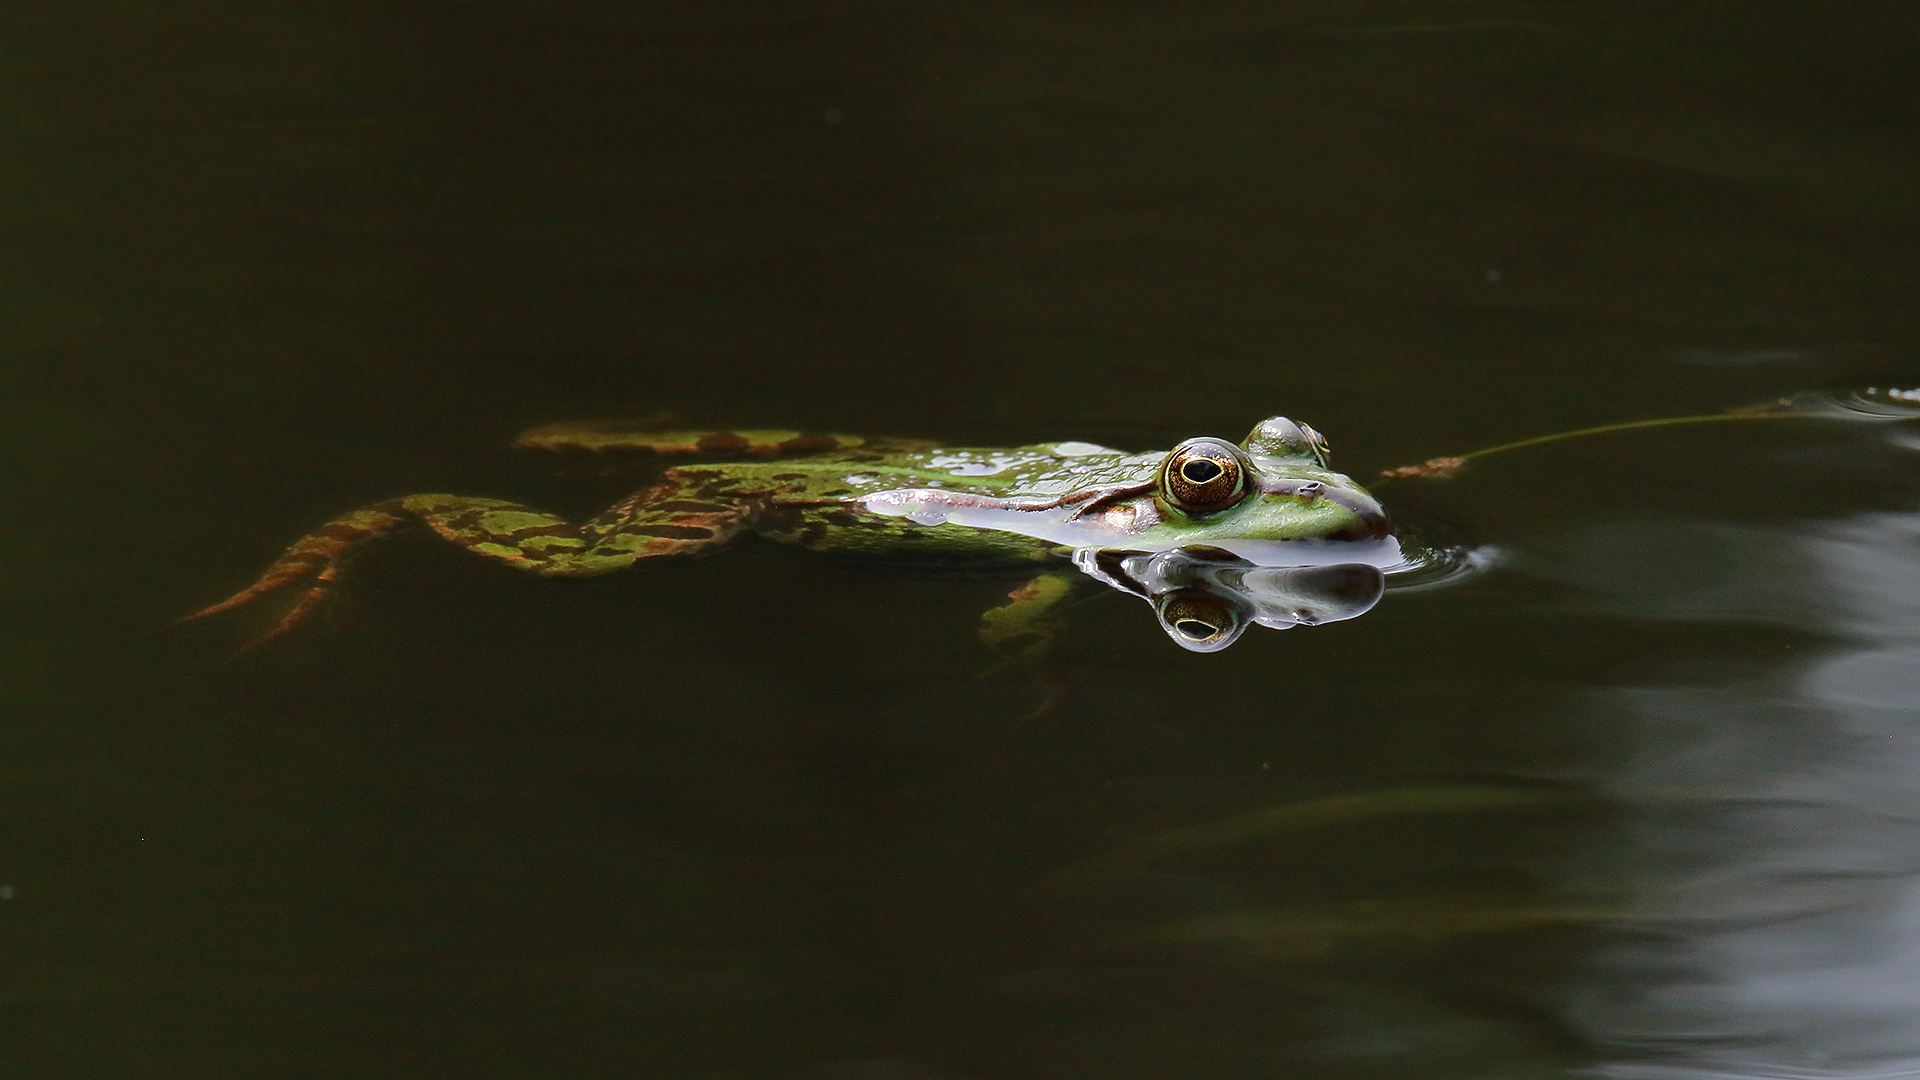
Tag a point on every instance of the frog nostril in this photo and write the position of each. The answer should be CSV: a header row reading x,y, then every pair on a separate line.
x,y
1310,488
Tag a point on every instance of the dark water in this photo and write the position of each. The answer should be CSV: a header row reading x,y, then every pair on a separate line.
x,y
1643,801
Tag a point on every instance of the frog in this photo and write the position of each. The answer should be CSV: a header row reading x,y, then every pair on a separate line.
x,y
1216,535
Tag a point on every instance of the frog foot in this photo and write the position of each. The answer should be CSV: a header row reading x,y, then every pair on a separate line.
x,y
316,556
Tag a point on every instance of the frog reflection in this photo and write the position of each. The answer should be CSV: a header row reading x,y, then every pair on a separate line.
x,y
1206,597
1217,535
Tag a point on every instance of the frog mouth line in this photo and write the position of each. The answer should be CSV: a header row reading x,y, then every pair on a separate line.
x,y
1105,516
1094,500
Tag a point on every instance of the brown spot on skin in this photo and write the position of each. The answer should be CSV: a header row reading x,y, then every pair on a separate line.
x,y
807,442
722,441
780,517
672,532
716,491
842,518
690,506
790,476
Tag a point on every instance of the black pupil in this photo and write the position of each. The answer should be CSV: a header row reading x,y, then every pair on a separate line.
x,y
1200,470
1195,629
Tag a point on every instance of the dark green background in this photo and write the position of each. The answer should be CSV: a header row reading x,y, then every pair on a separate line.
x,y
756,815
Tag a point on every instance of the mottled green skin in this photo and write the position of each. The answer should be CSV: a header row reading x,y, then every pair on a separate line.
x,y
873,497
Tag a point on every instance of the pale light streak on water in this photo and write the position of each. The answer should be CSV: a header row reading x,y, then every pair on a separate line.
x,y
1777,829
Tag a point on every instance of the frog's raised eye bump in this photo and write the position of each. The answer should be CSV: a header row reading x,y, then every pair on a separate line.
x,y
1278,436
1203,476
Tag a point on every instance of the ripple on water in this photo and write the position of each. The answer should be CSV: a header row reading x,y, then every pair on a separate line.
x,y
1434,553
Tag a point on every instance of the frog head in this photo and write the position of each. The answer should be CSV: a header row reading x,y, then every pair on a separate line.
x,y
1271,498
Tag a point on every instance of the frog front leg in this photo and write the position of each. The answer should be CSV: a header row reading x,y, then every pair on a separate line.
x,y
662,520
1020,630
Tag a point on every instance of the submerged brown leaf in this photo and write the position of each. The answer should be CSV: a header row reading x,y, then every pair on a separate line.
x,y
1438,468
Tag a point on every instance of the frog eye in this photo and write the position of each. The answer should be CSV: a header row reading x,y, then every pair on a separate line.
x,y
1321,450
1203,476
1198,620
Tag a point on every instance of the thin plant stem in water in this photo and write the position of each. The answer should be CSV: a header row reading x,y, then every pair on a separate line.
x,y
1783,409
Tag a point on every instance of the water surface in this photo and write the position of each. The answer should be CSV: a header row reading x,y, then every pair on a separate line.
x,y
1635,802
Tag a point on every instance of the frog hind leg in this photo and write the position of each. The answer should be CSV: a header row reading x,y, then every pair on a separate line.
x,y
605,436
655,522
601,436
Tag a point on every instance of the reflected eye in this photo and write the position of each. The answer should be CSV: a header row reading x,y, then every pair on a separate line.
x,y
1199,620
1203,476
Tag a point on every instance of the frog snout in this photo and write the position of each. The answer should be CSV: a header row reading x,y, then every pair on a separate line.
x,y
1370,521
1365,518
